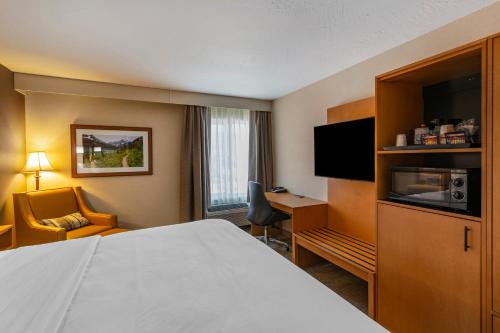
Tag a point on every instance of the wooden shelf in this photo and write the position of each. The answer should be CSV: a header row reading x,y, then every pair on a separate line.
x,y
430,151
431,210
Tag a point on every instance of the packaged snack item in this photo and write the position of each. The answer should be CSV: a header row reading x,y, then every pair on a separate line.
x,y
431,140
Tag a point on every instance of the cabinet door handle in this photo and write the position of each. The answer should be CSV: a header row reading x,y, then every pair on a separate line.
x,y
466,239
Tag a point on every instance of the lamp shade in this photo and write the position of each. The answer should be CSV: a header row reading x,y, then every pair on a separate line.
x,y
37,161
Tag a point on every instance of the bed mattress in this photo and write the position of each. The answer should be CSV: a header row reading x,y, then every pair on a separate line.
x,y
204,276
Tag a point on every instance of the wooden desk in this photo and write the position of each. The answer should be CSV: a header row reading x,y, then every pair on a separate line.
x,y
306,213
5,237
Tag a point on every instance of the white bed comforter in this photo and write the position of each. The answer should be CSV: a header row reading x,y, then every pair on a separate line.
x,y
205,276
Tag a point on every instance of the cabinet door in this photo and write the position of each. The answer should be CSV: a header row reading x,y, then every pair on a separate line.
x,y
426,280
496,177
496,324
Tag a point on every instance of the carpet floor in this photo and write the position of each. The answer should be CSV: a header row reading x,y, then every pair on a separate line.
x,y
348,286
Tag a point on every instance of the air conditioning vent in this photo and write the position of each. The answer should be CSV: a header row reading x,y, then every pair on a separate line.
x,y
236,213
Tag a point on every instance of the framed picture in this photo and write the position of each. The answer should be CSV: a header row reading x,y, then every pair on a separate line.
x,y
100,151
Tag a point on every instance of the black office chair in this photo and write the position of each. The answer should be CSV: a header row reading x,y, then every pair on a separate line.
x,y
262,214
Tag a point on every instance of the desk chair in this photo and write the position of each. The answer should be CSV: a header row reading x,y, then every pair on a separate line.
x,y
262,214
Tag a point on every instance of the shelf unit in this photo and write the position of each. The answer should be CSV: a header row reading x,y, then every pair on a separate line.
x,y
431,238
430,151
401,106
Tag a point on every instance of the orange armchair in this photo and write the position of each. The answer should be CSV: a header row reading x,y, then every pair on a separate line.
x,y
32,206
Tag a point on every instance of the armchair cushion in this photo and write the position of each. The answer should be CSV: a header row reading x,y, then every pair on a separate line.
x,y
68,222
88,230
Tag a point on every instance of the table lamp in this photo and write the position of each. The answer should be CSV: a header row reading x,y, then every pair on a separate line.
x,y
37,161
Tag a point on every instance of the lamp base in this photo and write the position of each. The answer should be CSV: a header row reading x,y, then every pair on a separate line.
x,y
37,180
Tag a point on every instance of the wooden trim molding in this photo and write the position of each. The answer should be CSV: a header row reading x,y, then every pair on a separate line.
x,y
30,83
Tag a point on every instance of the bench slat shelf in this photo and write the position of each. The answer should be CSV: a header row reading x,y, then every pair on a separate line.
x,y
332,242
339,249
365,247
346,247
344,251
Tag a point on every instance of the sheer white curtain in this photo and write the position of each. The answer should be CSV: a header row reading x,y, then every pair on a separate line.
x,y
229,142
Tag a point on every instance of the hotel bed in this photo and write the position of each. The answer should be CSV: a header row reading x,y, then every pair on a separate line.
x,y
205,276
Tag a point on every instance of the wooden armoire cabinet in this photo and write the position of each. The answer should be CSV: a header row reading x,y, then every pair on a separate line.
x,y
432,262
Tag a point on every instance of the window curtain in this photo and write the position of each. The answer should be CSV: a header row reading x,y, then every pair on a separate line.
x,y
195,177
261,166
229,155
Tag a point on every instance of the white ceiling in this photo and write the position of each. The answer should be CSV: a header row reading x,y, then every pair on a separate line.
x,y
249,48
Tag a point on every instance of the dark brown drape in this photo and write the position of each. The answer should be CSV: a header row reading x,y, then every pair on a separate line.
x,y
261,166
195,177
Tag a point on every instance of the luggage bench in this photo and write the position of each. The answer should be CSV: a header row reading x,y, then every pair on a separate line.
x,y
355,256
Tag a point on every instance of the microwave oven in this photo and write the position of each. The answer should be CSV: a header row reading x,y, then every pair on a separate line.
x,y
444,188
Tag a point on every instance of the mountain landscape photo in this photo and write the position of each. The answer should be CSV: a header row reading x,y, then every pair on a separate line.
x,y
112,151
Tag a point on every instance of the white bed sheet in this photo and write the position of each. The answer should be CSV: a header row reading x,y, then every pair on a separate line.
x,y
38,283
205,276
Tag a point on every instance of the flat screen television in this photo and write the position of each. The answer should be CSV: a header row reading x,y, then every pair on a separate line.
x,y
345,150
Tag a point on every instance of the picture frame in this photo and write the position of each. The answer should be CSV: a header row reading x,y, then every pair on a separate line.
x,y
106,151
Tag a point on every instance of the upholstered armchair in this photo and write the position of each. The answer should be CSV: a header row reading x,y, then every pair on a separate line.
x,y
29,207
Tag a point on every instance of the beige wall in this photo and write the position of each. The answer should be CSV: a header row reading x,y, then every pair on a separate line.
x,y
12,150
296,114
139,201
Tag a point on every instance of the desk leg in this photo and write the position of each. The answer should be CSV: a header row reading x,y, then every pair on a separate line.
x,y
295,259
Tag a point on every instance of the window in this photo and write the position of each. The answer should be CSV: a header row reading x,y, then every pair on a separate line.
x,y
229,140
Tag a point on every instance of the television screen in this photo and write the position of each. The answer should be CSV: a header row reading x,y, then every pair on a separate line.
x,y
345,150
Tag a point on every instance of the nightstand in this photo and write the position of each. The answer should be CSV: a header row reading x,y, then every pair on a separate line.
x,y
5,237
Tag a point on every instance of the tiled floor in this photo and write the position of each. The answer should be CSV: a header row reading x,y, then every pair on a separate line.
x,y
348,286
